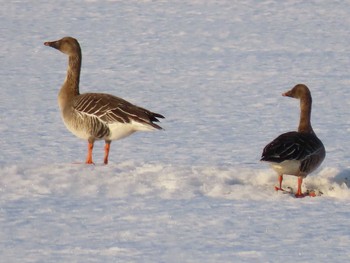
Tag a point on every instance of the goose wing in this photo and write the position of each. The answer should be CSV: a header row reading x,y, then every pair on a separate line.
x,y
111,109
303,147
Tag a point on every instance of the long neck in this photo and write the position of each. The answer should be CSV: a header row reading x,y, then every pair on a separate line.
x,y
71,83
305,115
70,87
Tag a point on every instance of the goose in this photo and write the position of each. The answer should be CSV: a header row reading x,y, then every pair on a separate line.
x,y
299,152
96,116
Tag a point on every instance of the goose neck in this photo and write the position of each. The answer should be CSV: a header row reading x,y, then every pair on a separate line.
x,y
72,80
305,115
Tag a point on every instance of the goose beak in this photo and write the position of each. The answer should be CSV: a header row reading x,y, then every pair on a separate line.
x,y
53,44
287,94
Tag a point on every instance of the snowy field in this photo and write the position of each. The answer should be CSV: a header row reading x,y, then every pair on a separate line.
x,y
195,192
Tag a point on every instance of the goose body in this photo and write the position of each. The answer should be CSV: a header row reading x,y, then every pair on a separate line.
x,y
97,116
106,117
300,152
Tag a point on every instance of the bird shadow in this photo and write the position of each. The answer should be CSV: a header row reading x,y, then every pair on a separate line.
x,y
343,177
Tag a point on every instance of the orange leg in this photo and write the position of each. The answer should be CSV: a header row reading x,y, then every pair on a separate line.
x,y
89,155
299,193
280,179
107,147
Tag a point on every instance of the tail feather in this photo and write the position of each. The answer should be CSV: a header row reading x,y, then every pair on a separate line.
x,y
154,117
151,118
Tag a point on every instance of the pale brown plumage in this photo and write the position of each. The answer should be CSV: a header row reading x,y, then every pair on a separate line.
x,y
96,116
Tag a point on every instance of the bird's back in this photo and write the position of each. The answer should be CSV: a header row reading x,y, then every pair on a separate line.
x,y
111,109
304,148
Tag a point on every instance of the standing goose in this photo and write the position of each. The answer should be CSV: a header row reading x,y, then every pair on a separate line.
x,y
296,153
96,116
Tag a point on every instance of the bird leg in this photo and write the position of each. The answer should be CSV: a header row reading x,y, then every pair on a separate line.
x,y
89,155
299,194
280,179
107,147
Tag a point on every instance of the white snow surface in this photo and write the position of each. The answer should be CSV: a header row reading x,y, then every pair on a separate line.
x,y
196,191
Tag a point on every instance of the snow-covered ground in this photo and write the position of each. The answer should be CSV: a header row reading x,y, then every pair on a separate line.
x,y
195,192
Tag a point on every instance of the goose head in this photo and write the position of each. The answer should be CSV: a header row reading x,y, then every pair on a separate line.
x,y
299,91
67,45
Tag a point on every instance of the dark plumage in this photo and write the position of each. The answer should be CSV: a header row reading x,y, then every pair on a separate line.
x,y
298,152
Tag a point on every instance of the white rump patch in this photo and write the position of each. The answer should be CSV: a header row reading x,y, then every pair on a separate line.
x,y
122,130
291,167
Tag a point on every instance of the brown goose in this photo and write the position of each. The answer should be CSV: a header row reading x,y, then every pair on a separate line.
x,y
296,153
96,116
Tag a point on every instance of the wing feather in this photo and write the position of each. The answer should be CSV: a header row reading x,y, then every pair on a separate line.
x,y
303,147
111,109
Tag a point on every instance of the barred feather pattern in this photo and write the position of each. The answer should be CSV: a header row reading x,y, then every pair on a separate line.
x,y
86,126
303,147
111,109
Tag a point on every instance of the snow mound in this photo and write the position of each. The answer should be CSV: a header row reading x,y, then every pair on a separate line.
x,y
160,180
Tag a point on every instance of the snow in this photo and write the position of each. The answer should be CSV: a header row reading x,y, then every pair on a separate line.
x,y
195,192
